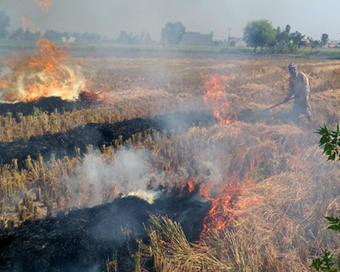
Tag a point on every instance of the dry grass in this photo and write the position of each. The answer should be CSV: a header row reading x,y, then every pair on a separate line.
x,y
296,187
171,251
143,103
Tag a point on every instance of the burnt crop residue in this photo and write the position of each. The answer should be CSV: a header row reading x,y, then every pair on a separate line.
x,y
82,239
97,135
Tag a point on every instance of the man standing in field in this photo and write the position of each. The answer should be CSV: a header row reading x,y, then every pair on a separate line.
x,y
299,87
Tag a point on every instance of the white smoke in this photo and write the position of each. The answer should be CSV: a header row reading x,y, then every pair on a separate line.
x,y
126,174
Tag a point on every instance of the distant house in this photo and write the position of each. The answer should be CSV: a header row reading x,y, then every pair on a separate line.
x,y
307,42
69,40
236,42
231,42
333,44
196,39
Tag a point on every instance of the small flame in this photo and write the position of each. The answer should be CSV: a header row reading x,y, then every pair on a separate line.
x,y
95,97
216,97
227,201
222,207
44,4
189,186
28,24
24,24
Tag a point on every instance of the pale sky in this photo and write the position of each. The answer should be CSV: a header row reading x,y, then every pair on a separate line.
x,y
109,17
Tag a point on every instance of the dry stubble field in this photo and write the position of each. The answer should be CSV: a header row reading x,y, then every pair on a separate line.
x,y
287,187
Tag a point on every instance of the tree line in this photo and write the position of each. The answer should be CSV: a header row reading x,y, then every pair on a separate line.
x,y
261,33
257,34
21,34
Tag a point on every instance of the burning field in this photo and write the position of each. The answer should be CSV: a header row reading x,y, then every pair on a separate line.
x,y
162,164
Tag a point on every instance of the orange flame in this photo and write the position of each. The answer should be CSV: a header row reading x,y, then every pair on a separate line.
x,y
45,4
227,203
189,186
222,207
95,97
43,74
216,97
28,24
24,24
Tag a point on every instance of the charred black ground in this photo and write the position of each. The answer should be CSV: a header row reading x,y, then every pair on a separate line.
x,y
99,134
62,144
45,104
82,239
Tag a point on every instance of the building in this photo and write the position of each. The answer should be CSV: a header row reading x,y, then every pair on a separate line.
x,y
69,40
333,44
236,42
196,39
307,42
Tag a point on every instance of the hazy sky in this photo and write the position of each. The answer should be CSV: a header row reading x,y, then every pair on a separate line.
x,y
109,17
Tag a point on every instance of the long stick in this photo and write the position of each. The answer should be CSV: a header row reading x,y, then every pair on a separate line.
x,y
278,104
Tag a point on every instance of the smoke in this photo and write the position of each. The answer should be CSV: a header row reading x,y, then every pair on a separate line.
x,y
4,71
101,181
149,196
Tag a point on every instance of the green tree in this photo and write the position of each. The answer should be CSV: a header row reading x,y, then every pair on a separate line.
x,y
172,33
17,35
125,38
283,36
90,37
296,38
20,35
4,23
53,36
324,39
316,44
259,33
288,28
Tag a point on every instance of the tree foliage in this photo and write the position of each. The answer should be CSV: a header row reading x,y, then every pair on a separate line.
x,y
4,23
324,39
328,262
172,33
259,33
331,141
286,42
20,35
130,38
316,44
54,36
297,38
283,36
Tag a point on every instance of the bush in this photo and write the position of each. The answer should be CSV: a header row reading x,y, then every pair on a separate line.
x,y
331,141
283,48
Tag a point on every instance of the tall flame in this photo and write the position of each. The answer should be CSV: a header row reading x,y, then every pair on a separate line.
x,y
43,74
216,97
